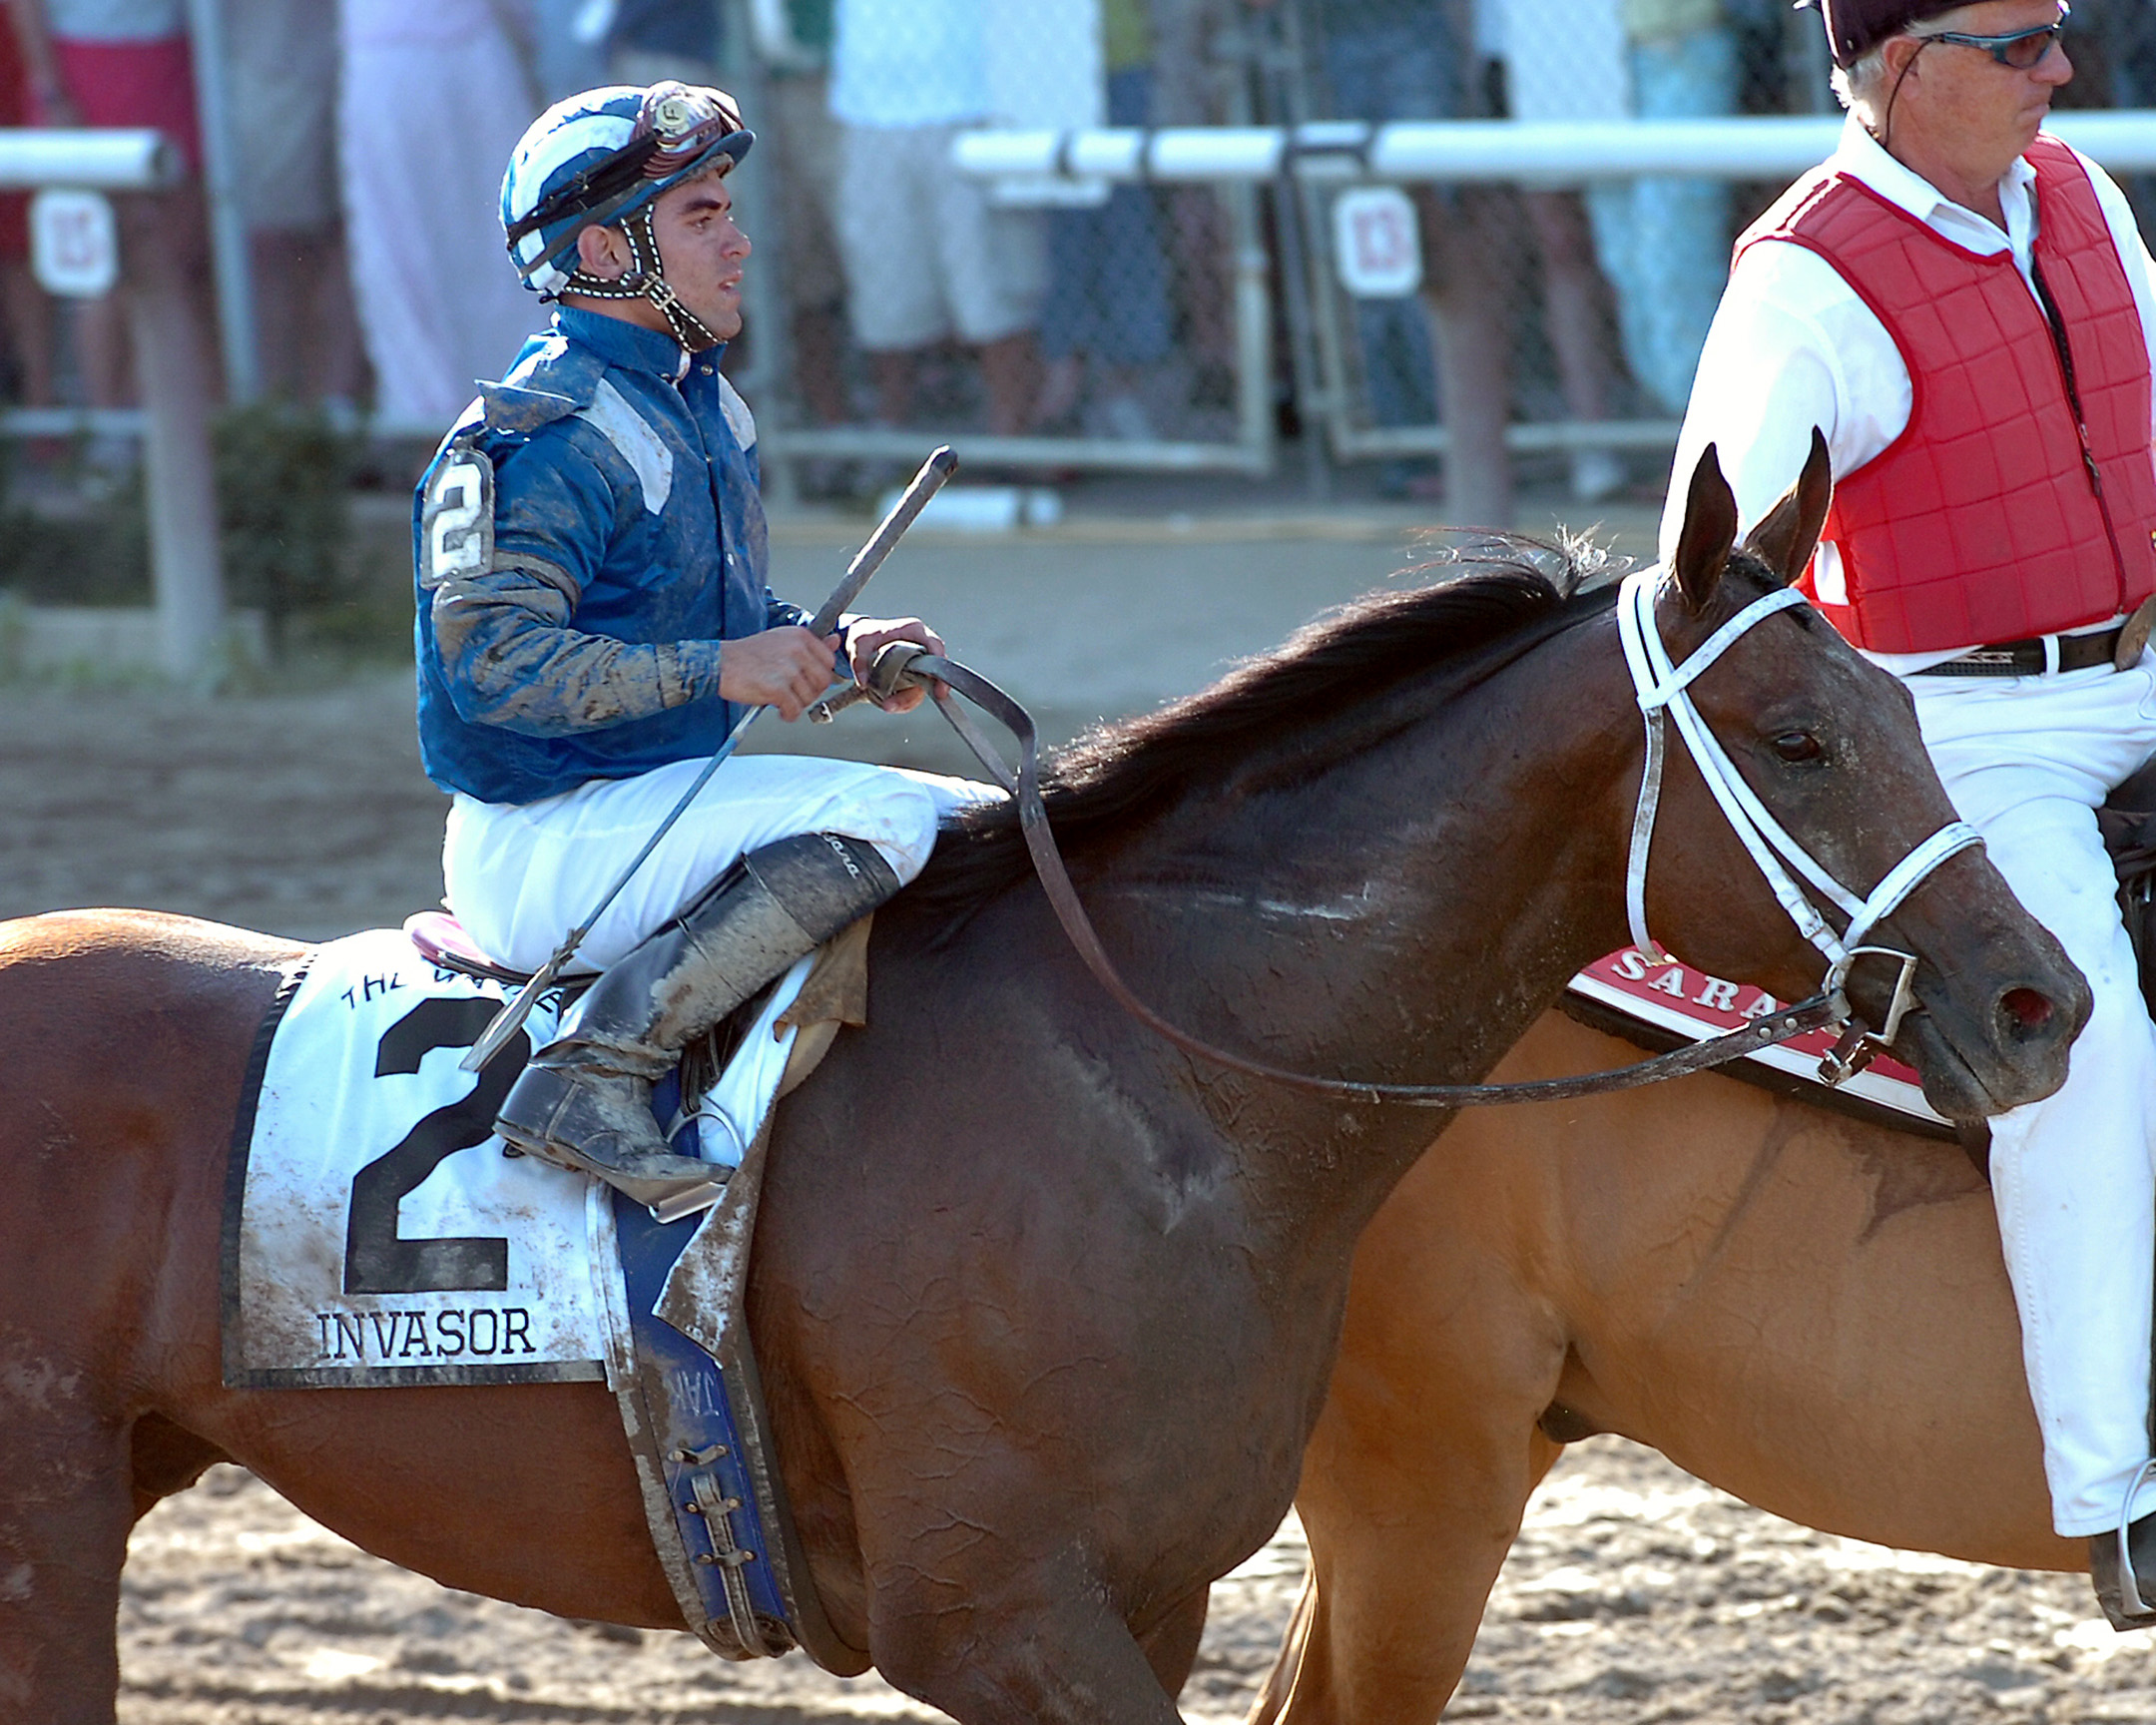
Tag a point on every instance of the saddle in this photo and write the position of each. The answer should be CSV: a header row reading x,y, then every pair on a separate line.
x,y
684,1367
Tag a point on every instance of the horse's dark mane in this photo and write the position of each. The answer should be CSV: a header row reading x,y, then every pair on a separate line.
x,y
1505,591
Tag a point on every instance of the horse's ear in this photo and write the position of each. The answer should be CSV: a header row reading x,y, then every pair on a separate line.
x,y
1710,532
1783,541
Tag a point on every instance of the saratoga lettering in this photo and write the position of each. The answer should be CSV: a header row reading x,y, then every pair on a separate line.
x,y
443,1332
1713,994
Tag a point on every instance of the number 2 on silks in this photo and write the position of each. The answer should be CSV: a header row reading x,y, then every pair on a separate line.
x,y
456,523
377,1261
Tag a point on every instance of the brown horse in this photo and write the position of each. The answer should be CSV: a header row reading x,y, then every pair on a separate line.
x,y
1045,1308
1809,1311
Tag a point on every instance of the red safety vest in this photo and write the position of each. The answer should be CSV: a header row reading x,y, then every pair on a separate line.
x,y
2021,497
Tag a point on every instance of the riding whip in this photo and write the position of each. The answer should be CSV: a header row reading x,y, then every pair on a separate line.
x,y
926,483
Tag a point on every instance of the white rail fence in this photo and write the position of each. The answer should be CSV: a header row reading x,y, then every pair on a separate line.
x,y
1530,154
179,468
1237,158
1534,152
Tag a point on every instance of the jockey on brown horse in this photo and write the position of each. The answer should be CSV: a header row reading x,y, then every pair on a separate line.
x,y
594,620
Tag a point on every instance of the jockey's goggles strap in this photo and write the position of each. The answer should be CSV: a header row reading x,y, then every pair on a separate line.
x,y
591,193
679,129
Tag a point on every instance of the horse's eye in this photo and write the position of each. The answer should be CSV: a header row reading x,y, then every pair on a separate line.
x,y
1797,746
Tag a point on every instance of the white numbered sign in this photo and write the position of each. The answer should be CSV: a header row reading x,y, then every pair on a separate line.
x,y
1376,242
74,243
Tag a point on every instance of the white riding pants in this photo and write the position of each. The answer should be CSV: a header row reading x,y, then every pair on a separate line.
x,y
520,875
2027,761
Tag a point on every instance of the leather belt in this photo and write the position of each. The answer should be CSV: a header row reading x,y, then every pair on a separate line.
x,y
2027,658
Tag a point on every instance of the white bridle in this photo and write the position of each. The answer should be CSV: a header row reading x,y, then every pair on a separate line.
x,y
1663,688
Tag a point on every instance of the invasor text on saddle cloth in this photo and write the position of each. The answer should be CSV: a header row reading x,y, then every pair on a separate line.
x,y
377,1232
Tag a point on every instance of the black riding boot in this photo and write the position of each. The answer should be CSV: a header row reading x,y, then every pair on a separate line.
x,y
584,1102
2116,1584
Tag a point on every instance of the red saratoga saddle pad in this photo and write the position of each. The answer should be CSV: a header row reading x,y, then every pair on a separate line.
x,y
1663,1007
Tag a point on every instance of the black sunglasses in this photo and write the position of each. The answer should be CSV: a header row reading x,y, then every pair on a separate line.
x,y
2023,50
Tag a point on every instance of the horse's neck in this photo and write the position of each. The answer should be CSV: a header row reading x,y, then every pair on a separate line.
x,y
1402,916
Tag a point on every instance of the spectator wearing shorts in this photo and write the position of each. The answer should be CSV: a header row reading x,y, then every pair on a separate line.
x,y
125,63
1665,241
280,67
435,92
1108,288
926,255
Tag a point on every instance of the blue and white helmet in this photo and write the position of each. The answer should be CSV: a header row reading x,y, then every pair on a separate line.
x,y
597,159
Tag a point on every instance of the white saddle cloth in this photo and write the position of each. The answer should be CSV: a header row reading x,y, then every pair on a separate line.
x,y
380,1233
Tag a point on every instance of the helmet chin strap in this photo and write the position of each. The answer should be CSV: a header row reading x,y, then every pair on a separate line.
x,y
646,280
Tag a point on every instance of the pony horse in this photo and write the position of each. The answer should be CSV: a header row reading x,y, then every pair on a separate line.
x,y
1806,1310
1044,1308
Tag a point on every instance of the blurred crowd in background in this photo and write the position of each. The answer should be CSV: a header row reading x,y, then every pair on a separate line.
x,y
368,141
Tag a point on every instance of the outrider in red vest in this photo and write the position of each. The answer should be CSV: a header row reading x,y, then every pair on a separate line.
x,y
2020,500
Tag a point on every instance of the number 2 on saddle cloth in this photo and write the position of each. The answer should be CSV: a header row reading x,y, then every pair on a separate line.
x,y
687,1405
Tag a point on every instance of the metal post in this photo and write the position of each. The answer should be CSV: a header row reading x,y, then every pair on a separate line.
x,y
1278,61
172,367
768,382
177,383
1252,329
228,222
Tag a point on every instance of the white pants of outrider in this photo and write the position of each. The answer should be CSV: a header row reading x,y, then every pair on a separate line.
x,y
2027,761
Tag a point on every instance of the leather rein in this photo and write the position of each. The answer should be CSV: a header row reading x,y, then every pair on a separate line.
x,y
1662,688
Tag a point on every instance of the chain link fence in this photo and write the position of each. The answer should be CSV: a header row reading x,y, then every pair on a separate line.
x,y
1061,321
1455,338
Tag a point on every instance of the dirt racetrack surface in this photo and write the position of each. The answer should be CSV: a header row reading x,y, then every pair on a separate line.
x,y
1635,1595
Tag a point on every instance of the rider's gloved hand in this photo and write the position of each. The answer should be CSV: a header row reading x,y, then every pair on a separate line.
x,y
864,635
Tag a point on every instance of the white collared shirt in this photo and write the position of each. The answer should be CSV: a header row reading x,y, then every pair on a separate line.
x,y
1792,346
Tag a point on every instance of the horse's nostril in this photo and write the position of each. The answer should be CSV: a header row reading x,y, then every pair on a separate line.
x,y
2025,1009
